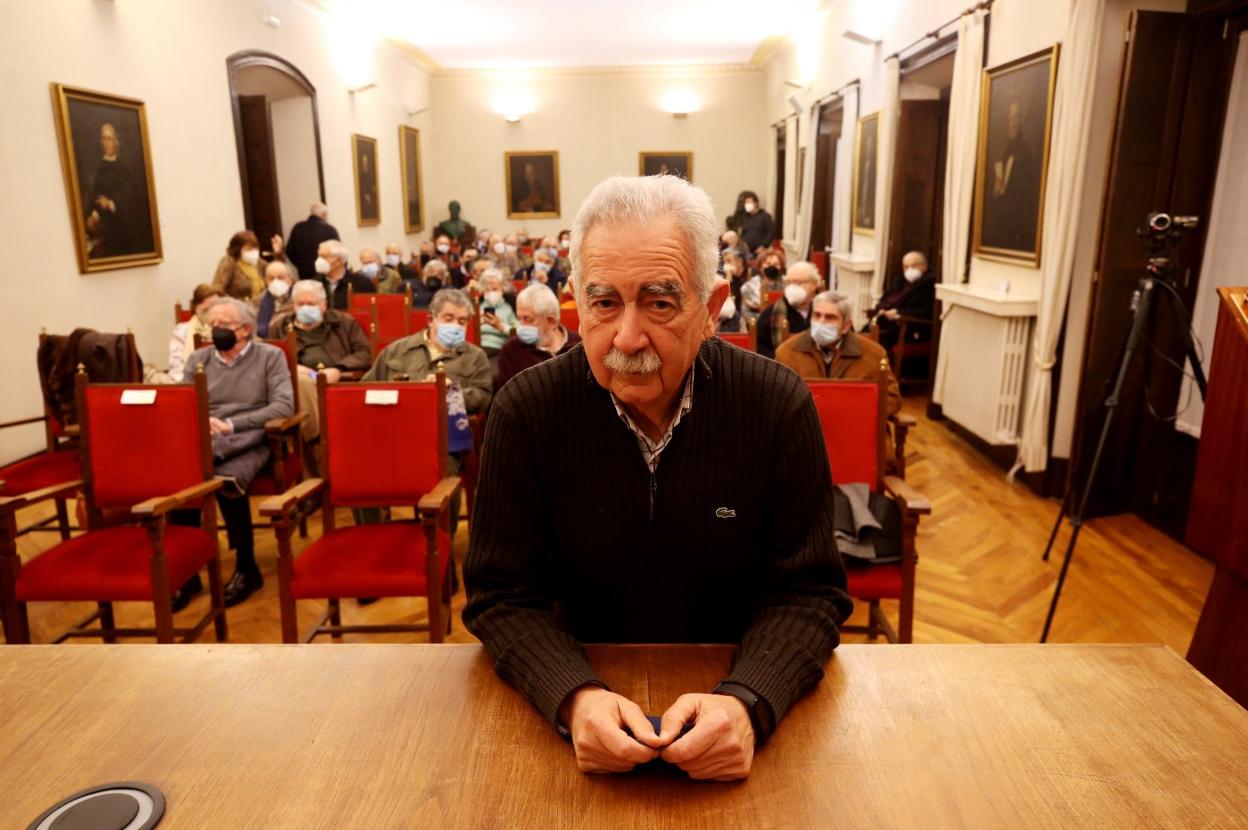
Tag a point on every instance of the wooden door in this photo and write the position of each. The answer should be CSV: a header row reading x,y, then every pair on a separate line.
x,y
777,210
823,212
261,211
917,209
1171,106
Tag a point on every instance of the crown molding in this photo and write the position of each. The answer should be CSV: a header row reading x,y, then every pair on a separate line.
x,y
647,71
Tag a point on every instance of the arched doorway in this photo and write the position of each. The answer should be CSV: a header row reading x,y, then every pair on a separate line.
x,y
278,137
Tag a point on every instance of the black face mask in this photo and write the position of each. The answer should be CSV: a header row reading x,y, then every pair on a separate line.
x,y
224,339
424,259
771,272
434,282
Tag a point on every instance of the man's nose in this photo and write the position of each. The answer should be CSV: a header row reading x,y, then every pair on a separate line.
x,y
631,336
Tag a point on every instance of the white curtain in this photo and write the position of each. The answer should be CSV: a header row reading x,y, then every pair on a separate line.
x,y
1226,246
889,116
806,181
963,135
841,219
1068,155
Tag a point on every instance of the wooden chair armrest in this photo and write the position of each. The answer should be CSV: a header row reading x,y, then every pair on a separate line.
x,y
160,505
23,422
435,500
282,504
56,491
283,425
352,375
913,321
903,420
910,498
72,431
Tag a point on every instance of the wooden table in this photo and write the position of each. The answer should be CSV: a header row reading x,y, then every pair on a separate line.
x,y
382,736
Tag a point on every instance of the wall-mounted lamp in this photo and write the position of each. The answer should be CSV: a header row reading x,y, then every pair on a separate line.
x,y
858,37
512,118
680,102
361,88
271,20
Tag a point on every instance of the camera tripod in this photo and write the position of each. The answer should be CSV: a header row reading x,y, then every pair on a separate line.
x,y
1161,234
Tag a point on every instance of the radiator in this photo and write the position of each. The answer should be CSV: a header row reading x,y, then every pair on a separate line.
x,y
985,357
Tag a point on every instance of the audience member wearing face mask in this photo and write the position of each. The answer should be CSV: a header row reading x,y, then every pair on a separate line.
x,y
331,269
183,340
754,225
912,295
238,272
730,319
539,334
497,317
278,278
376,268
544,271
831,348
791,311
434,277
754,291
461,274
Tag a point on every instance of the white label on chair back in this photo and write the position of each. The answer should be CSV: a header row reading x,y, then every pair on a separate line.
x,y
138,397
381,397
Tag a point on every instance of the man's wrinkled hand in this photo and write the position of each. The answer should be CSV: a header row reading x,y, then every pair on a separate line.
x,y
720,744
597,719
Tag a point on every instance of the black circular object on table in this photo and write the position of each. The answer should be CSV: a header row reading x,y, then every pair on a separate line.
x,y
125,805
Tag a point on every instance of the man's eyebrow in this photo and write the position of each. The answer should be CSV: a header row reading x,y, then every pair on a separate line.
x,y
597,290
663,288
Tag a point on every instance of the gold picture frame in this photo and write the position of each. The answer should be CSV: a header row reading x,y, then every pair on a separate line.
x,y
674,162
1011,139
866,160
367,182
413,190
535,197
115,221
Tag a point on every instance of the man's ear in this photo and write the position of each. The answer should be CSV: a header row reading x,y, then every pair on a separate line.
x,y
719,294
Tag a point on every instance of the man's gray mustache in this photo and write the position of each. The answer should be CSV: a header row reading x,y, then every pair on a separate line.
x,y
644,362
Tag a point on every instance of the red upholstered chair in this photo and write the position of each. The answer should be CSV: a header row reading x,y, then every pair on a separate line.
x,y
570,318
520,285
58,461
362,316
285,467
146,451
182,315
420,319
384,445
392,313
851,414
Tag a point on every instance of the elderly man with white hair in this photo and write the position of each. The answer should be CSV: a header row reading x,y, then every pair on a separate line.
x,y
248,385
434,276
539,334
331,266
801,284
614,508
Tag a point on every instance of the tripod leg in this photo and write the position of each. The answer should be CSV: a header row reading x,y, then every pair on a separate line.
x,y
1061,514
1111,406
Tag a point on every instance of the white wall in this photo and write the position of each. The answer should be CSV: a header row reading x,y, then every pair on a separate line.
x,y
294,151
598,121
172,56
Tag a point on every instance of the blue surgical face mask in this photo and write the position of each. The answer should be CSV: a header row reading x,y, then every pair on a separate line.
x,y
371,269
309,315
541,266
825,334
528,334
450,335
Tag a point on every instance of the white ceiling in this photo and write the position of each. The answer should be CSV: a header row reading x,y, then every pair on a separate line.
x,y
485,34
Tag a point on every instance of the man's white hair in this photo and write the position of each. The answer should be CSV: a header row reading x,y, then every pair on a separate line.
x,y
246,312
646,199
313,287
541,299
336,249
491,274
807,269
319,210
843,304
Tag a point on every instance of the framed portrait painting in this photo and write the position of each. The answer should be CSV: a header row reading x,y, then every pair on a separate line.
x,y
367,198
666,164
107,162
532,184
413,202
866,147
1015,118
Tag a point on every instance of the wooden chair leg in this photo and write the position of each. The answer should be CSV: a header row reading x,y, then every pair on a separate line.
x,y
21,625
335,616
162,592
108,624
285,573
62,518
873,619
433,580
216,594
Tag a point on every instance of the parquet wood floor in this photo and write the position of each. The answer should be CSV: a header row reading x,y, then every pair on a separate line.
x,y
980,577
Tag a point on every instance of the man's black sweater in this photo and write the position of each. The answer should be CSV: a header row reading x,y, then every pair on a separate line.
x,y
731,541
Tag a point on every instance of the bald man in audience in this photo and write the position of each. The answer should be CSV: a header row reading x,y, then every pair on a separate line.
x,y
306,238
278,278
613,507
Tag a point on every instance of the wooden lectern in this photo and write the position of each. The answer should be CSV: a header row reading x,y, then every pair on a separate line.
x,y
1217,523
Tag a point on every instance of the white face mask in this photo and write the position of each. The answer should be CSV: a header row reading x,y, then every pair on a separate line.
x,y
511,249
500,248
392,260
794,294
279,288
322,265
913,274
750,207
444,248
728,310
494,298
251,256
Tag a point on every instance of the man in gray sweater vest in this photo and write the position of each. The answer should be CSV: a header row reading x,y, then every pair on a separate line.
x,y
248,384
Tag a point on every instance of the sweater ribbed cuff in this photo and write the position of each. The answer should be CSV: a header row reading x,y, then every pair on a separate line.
x,y
778,673
546,668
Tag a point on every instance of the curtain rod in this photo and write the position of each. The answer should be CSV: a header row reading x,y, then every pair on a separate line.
x,y
934,34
